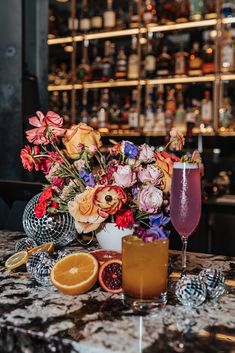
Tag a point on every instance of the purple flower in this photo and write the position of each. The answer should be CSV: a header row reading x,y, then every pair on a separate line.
x,y
135,189
130,150
87,177
158,220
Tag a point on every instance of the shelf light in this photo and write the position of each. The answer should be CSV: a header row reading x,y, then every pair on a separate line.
x,y
60,87
122,32
182,79
228,77
177,26
228,20
64,40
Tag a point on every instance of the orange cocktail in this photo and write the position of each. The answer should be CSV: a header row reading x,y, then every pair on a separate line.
x,y
145,268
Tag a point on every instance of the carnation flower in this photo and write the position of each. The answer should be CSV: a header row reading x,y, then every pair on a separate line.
x,y
149,199
125,219
124,176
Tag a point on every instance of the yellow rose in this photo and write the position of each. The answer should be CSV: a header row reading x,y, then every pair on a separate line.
x,y
85,212
80,134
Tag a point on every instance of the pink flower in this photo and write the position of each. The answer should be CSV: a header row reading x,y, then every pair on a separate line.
x,y
58,182
28,159
150,174
47,163
177,139
146,153
92,149
124,176
149,199
45,125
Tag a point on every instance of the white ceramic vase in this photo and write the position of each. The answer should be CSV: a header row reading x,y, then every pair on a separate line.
x,y
110,236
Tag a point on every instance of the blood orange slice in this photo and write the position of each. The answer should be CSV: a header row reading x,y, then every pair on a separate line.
x,y
110,276
102,255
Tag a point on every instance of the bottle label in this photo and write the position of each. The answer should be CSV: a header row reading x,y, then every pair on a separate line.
x,y
180,65
85,24
109,19
96,22
150,63
196,63
73,23
147,17
133,119
133,67
227,58
106,70
206,111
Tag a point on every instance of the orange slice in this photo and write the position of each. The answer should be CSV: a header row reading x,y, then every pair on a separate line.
x,y
110,276
18,259
75,274
102,255
43,247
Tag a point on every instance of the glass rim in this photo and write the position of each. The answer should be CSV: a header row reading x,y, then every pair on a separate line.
x,y
141,242
185,165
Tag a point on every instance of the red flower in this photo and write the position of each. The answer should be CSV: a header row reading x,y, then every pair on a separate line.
x,y
51,123
40,209
58,182
54,205
125,219
109,199
46,163
28,158
46,195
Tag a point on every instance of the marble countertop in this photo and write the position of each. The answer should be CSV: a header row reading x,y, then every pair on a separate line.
x,y
38,319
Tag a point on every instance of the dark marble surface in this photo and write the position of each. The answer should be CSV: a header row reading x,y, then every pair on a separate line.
x,y
37,319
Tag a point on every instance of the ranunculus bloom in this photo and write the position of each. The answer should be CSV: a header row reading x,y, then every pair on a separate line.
x,y
40,209
109,199
80,134
47,163
44,125
149,199
150,174
124,176
125,219
85,211
165,162
146,153
177,139
28,159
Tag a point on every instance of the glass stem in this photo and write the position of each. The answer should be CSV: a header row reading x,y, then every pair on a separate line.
x,y
184,253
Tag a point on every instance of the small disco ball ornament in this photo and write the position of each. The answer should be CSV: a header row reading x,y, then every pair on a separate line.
x,y
42,272
190,291
57,228
25,244
35,260
61,254
214,281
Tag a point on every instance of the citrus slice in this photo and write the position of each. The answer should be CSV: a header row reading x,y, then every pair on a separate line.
x,y
110,276
102,255
75,274
18,259
49,247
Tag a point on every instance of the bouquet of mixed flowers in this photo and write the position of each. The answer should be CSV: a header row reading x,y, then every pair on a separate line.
x,y
127,185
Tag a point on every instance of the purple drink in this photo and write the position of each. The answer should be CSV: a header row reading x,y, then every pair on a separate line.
x,y
185,203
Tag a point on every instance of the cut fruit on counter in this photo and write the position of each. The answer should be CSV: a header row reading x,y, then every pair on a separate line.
x,y
110,276
18,259
75,274
102,255
49,247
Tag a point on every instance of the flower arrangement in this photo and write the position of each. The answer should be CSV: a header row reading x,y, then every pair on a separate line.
x,y
128,185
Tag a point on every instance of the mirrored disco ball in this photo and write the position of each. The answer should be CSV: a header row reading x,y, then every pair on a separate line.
x,y
35,260
25,244
42,272
214,281
190,291
58,228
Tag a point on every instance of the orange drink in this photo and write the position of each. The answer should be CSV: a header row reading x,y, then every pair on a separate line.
x,y
145,269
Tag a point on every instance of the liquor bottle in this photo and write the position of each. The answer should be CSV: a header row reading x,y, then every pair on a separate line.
x,y
168,12
103,109
149,111
225,113
97,69
114,113
149,15
206,109
181,62
208,53
170,109
109,16
125,113
182,11
192,116
160,113
180,113
72,24
133,14
210,9
133,113
227,53
196,10
93,122
227,9
62,74
195,61
120,21
107,62
84,71
150,61
84,20
121,65
133,61
163,63
96,19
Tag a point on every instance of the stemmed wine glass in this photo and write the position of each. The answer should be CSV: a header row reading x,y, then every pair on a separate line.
x,y
185,202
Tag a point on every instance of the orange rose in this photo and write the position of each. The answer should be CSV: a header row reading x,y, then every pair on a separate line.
x,y
109,199
80,134
165,161
85,212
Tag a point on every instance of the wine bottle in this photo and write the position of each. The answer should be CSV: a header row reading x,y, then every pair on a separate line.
x,y
84,21
121,65
133,14
227,53
206,109
181,62
133,61
109,16
163,64
210,8
96,19
149,16
182,11
107,62
150,61
133,113
195,61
